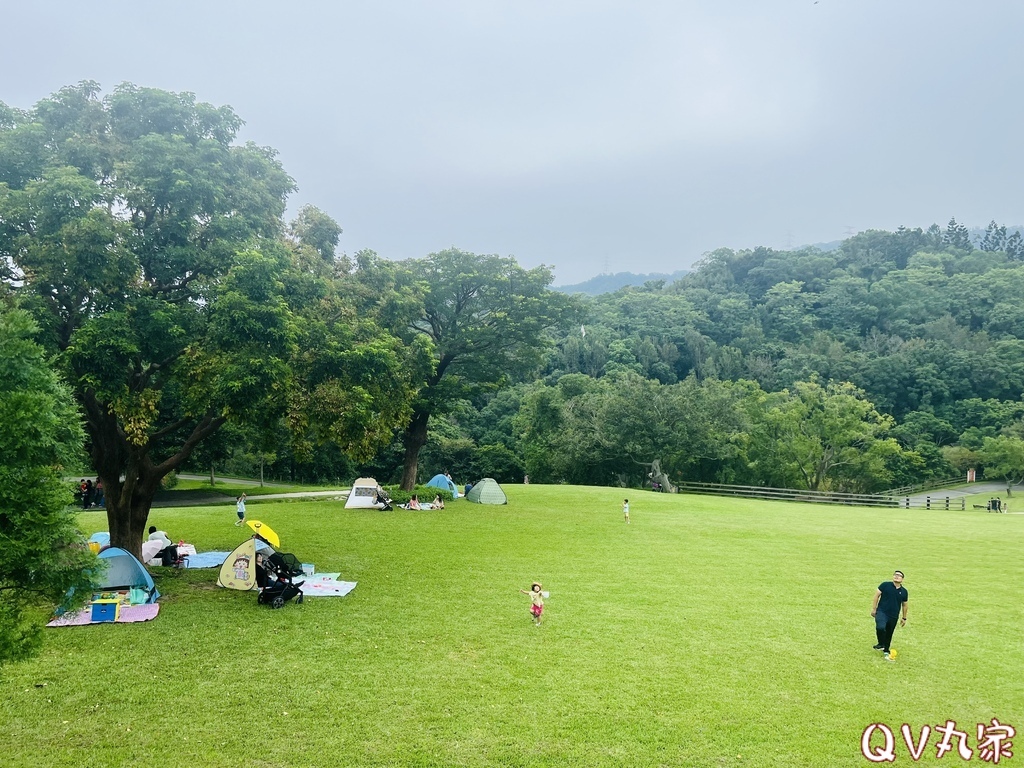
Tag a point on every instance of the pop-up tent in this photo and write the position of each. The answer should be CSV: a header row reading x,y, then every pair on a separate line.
x,y
487,491
124,571
239,569
442,482
363,494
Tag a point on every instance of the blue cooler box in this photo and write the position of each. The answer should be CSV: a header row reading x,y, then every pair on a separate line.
x,y
105,610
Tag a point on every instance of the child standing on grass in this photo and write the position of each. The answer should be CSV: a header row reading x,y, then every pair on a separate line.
x,y
625,510
537,606
240,509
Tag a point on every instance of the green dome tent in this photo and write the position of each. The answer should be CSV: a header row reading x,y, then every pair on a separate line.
x,y
487,491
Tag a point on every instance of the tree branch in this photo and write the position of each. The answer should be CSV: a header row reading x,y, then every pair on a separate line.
x,y
204,429
168,429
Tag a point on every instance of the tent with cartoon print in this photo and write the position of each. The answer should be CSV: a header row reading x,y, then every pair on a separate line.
x,y
239,569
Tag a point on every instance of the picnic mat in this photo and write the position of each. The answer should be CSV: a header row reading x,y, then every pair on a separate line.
x,y
206,559
326,585
128,614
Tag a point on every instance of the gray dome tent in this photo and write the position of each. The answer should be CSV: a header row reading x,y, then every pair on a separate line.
x,y
487,491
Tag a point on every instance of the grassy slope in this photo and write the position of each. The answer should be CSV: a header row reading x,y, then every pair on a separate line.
x,y
708,632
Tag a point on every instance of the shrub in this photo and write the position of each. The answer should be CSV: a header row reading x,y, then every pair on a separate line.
x,y
425,492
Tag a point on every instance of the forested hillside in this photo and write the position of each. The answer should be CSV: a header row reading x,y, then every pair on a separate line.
x,y
896,358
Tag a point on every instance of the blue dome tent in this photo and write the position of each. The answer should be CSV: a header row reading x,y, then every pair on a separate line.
x,y
442,482
124,570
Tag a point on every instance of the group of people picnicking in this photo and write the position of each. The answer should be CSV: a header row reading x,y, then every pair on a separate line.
x,y
90,494
415,503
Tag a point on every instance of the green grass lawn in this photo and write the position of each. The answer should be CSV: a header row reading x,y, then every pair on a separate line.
x,y
709,632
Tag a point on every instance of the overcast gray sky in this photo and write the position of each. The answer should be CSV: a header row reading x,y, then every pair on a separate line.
x,y
590,136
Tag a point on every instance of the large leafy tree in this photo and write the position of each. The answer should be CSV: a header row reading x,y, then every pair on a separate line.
x,y
152,249
481,318
41,555
821,438
1004,459
614,429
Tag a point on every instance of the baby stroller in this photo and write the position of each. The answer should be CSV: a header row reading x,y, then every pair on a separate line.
x,y
383,498
274,574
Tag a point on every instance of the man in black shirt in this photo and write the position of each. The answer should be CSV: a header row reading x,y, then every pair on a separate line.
x,y
890,598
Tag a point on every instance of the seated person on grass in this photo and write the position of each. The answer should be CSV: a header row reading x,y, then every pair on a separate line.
x,y
161,536
168,553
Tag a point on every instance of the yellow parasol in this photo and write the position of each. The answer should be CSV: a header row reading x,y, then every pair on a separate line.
x,y
264,530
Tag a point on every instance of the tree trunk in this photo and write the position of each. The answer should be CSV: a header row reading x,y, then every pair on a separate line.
x,y
213,480
414,439
658,475
130,478
128,511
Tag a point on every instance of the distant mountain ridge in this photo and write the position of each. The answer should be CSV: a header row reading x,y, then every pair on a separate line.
x,y
608,283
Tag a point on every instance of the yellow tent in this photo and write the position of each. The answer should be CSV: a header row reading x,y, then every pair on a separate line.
x,y
239,570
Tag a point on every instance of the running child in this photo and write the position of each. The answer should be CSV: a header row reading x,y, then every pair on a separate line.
x,y
537,598
240,509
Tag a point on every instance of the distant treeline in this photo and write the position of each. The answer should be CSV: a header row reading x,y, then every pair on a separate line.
x,y
895,358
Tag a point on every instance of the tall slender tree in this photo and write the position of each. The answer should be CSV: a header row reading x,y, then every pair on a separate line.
x,y
481,318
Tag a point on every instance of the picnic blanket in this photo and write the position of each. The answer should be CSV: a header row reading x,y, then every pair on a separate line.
x,y
206,559
326,585
128,614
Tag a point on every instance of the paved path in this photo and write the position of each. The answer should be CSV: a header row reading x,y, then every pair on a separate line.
x,y
232,480
939,495
969,490
211,498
